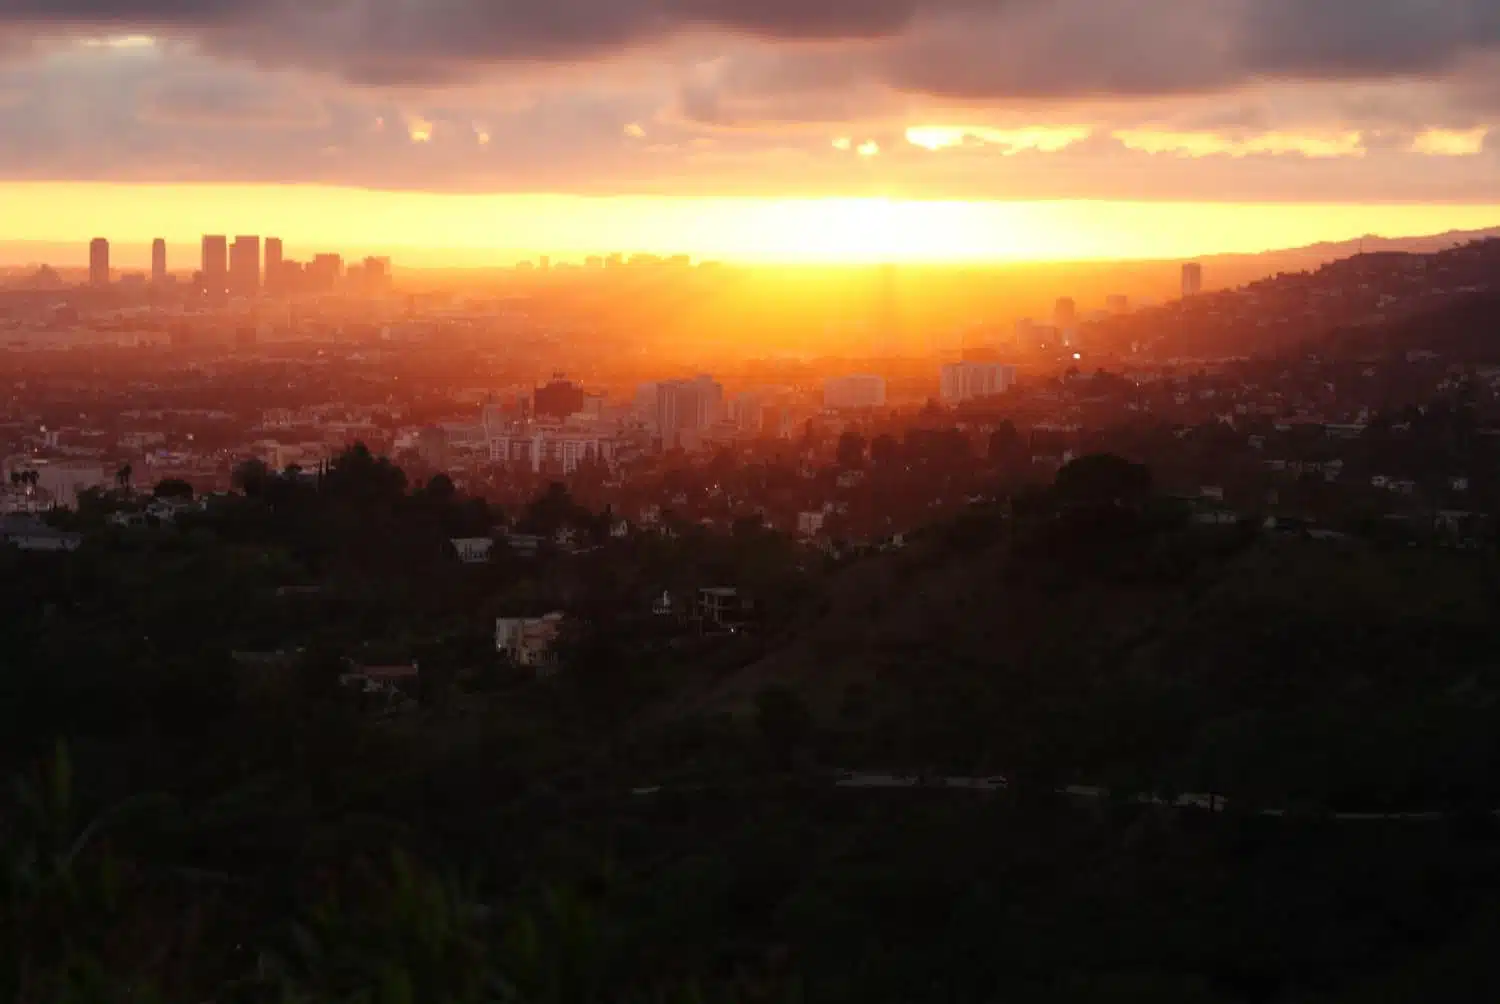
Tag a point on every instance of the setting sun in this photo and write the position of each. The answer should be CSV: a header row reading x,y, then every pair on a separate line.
x,y
443,229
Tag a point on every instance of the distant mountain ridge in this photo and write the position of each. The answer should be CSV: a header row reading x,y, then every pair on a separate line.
x,y
1370,243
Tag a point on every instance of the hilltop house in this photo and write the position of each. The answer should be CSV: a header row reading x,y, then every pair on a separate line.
x,y
530,641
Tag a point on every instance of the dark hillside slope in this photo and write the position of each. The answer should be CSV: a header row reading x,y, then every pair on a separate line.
x,y
1176,657
1465,330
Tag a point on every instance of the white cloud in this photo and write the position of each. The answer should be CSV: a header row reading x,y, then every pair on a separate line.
x,y
1043,139
1450,142
419,129
1312,145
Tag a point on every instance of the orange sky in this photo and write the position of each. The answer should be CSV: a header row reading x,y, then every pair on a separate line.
x,y
848,130
437,229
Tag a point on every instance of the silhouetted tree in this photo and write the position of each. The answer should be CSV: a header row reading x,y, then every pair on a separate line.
x,y
440,488
1005,443
1102,479
551,512
250,477
851,451
173,488
358,478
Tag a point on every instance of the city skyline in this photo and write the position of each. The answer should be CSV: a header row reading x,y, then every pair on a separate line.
x,y
1110,224
915,129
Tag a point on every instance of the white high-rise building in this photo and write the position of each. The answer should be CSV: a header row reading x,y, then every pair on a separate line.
x,y
1192,279
968,381
681,407
550,449
858,391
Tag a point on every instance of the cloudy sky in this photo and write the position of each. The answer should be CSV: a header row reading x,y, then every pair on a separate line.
x,y
1385,105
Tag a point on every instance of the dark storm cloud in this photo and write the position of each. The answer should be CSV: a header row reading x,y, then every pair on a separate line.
x,y
1070,48
455,34
972,49
1339,38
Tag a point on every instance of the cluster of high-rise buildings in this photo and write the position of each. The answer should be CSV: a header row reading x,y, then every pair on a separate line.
x,y
969,381
681,410
248,268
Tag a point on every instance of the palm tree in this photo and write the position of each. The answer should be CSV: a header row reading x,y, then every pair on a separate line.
x,y
15,479
122,477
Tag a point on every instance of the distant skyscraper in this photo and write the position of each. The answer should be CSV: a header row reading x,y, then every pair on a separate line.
x,y
968,381
99,262
687,407
275,270
545,263
1065,314
377,275
215,272
558,399
159,261
324,272
244,266
888,334
1192,279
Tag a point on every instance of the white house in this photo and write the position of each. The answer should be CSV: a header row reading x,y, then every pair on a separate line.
x,y
473,550
167,510
30,534
722,606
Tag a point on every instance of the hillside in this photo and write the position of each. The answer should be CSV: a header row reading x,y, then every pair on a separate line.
x,y
1234,269
1463,330
1227,658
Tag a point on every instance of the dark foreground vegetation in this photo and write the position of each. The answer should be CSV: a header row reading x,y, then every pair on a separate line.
x,y
660,820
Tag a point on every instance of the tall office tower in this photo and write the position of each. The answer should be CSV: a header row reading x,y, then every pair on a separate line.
x,y
275,269
888,333
244,266
99,262
544,263
1192,279
377,277
969,381
215,273
687,407
324,272
1066,313
558,399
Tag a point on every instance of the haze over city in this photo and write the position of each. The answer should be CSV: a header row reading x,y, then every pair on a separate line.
x,y
749,501
896,129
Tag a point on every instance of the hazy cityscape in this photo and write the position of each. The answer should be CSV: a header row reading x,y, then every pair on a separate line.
x,y
729,502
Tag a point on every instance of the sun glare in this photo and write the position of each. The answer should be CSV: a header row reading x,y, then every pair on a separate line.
x,y
863,230
438,229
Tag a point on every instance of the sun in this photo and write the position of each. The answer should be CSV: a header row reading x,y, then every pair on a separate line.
x,y
862,230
